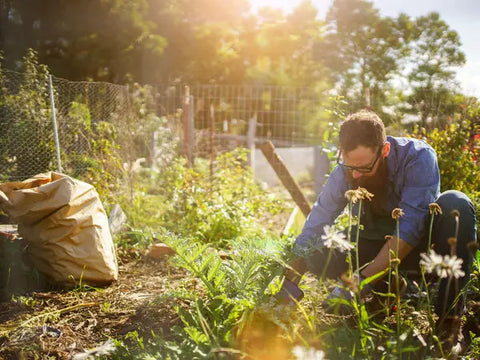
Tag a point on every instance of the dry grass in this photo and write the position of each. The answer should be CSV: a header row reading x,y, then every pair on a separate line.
x,y
60,324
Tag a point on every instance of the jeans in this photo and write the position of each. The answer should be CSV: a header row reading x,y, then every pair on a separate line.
x,y
443,229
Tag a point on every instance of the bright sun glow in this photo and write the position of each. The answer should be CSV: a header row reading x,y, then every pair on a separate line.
x,y
285,5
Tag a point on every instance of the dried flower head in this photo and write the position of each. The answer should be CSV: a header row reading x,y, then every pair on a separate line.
x,y
435,209
443,266
351,196
455,213
397,213
358,194
452,241
333,239
365,194
350,282
473,246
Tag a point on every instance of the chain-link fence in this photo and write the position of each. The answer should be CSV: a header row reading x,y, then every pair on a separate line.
x,y
107,131
104,129
85,115
100,126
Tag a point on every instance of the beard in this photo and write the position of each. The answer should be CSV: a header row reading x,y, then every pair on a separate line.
x,y
375,184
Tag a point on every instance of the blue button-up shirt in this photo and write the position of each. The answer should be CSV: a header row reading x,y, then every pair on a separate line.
x,y
413,183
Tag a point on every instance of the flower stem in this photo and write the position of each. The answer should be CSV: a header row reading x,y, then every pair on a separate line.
x,y
430,233
324,271
444,310
349,238
357,260
397,277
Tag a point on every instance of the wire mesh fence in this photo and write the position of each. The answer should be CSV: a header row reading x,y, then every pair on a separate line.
x,y
106,130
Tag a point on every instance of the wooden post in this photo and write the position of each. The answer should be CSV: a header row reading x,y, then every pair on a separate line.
x,y
191,129
188,127
153,150
186,124
285,177
252,128
212,137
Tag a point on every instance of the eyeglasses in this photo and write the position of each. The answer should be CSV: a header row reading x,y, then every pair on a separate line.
x,y
361,169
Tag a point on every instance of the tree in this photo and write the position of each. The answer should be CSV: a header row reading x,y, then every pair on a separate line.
x,y
117,40
435,53
281,48
362,50
96,39
202,39
280,51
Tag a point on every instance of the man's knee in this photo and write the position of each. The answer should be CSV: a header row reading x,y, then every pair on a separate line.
x,y
451,200
455,202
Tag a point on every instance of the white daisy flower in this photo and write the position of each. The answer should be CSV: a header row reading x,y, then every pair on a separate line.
x,y
302,353
443,266
333,239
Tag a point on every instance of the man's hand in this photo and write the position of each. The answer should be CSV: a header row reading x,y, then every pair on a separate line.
x,y
289,293
340,292
335,301
381,262
296,269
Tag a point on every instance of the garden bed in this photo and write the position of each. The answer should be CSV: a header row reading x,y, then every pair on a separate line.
x,y
60,324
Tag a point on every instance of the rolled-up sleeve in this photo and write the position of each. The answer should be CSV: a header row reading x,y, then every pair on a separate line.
x,y
420,188
328,206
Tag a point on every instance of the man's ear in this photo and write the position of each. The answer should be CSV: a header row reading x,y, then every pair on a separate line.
x,y
386,149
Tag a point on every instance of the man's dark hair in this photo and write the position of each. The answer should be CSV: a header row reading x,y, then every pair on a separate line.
x,y
362,128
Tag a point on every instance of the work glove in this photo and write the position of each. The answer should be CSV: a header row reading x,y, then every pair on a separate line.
x,y
340,292
340,296
289,293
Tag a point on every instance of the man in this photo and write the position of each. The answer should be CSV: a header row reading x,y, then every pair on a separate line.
x,y
400,173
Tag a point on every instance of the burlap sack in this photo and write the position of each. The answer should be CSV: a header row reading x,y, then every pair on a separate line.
x,y
65,226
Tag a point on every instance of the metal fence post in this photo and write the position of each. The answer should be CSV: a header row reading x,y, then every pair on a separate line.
x,y
54,120
320,168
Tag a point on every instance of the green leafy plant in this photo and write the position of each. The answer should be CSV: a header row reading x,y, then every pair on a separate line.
x,y
190,202
458,157
28,132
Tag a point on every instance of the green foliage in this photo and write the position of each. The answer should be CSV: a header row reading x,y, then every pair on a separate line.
x,y
232,287
90,151
363,51
211,209
458,157
27,135
354,49
213,316
436,50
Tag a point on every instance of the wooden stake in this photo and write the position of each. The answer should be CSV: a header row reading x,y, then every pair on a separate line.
x,y
285,177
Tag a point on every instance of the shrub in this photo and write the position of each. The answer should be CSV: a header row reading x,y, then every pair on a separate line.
x,y
190,202
458,157
27,136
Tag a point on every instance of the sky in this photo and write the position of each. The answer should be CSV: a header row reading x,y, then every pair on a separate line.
x,y
462,16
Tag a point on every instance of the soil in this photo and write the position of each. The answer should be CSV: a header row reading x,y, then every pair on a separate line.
x,y
57,325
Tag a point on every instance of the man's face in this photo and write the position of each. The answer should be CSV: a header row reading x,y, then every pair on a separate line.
x,y
365,165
